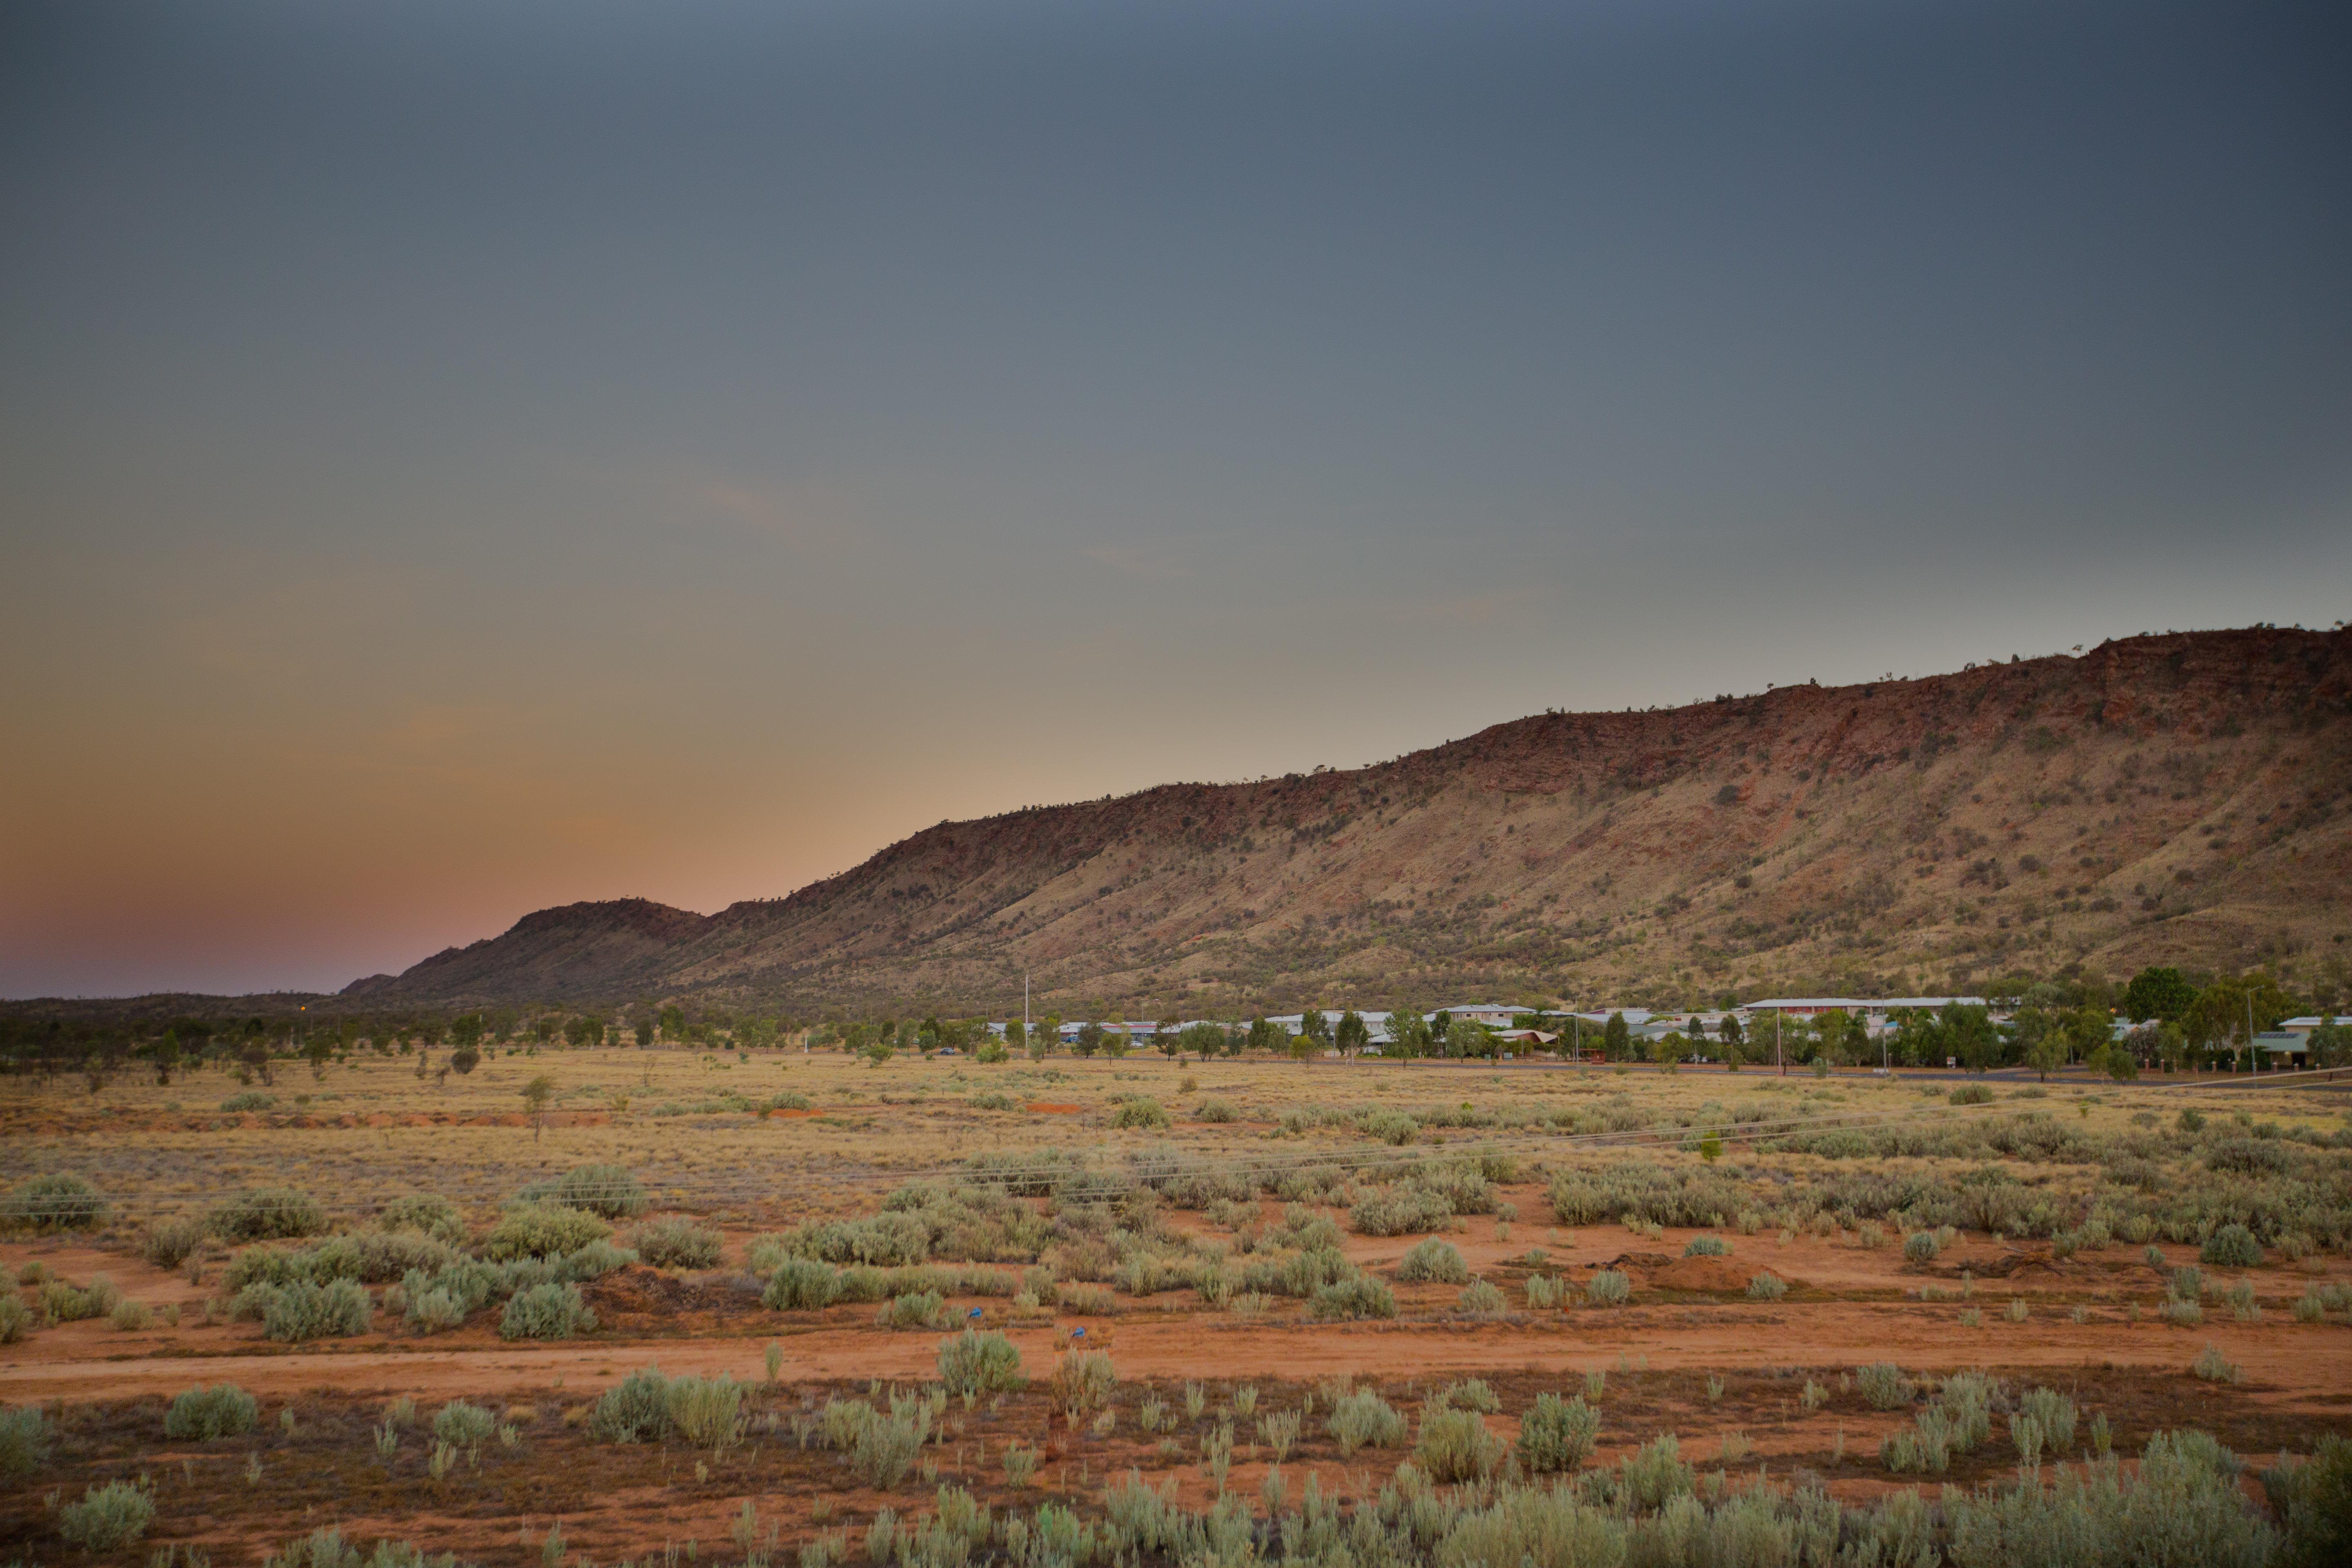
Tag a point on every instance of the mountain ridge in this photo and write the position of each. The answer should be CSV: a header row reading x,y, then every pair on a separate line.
x,y
2192,785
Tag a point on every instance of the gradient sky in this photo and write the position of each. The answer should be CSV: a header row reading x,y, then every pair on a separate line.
x,y
457,459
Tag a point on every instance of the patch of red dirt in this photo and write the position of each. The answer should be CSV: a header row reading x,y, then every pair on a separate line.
x,y
1054,1108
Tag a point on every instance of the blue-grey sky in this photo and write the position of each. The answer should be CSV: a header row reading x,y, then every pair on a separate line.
x,y
458,457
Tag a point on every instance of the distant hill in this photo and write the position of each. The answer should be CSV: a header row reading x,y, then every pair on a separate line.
x,y
2177,799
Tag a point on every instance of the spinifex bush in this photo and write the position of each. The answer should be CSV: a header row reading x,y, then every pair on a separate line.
x,y
55,1202
611,1191
542,1230
1455,1445
202,1414
107,1517
1434,1261
268,1214
1556,1434
677,1242
24,1437
549,1312
802,1284
974,1363
1364,1420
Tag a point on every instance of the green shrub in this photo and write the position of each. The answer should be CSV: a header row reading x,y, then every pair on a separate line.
x,y
2052,1414
1434,1261
55,1202
1470,1393
1140,1112
1362,1297
248,1100
1392,1126
1609,1288
975,1363
1884,1387
1216,1110
16,1318
1481,1299
202,1414
2232,1246
2213,1367
887,1446
542,1230
1972,1094
1766,1288
708,1412
129,1316
169,1242
611,1191
303,1310
427,1213
268,1214
2313,1499
1400,1211
1707,1247
916,1310
634,1410
1455,1446
1556,1434
1655,1474
592,1261
109,1517
64,1303
1083,1382
1544,1290
802,1284
464,1424
1364,1420
1921,1247
24,1437
550,1312
677,1243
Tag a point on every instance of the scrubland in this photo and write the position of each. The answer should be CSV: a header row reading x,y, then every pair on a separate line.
x,y
786,1307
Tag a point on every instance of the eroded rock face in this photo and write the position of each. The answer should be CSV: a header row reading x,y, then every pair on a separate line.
x,y
2182,798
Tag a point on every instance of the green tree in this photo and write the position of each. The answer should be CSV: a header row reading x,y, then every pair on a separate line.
x,y
1203,1040
1616,1038
1352,1034
1408,1033
317,1050
466,1031
2331,1046
535,1096
1016,1036
1314,1025
465,1060
2045,1053
1091,1035
1465,1039
2227,1014
2164,995
1968,1034
167,1056
1264,1035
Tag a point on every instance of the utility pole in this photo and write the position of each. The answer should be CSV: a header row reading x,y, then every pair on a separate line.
x,y
1025,1005
1778,1060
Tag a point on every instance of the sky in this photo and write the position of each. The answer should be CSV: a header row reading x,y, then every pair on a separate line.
x,y
461,458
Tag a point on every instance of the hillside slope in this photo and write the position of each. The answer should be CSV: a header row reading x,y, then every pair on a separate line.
x,y
2180,798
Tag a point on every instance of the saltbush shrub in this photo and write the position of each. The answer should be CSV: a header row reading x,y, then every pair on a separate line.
x,y
1608,1288
303,1310
542,1230
1364,1420
611,1191
1362,1297
2232,1246
107,1517
248,1100
57,1200
16,1318
1972,1094
1556,1434
634,1410
550,1312
25,1437
169,1242
1883,1385
1083,1382
916,1310
1481,1299
1921,1247
1400,1211
677,1243
1766,1288
203,1416
1140,1112
975,1363
1434,1261
1707,1247
1455,1446
268,1214
428,1214
1216,1110
802,1284
462,1423
708,1412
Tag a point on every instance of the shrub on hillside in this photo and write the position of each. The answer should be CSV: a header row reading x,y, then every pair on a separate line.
x,y
202,1414
1140,1112
1556,1434
303,1310
2232,1246
1455,1446
169,1242
462,1423
55,1202
1481,1299
611,1191
1434,1262
268,1214
1400,1211
1921,1247
25,1437
550,1312
427,1213
542,1230
974,1363
1972,1094
1707,1247
1362,1297
802,1284
634,1410
676,1243
1609,1288
1883,1385
108,1516
16,1318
